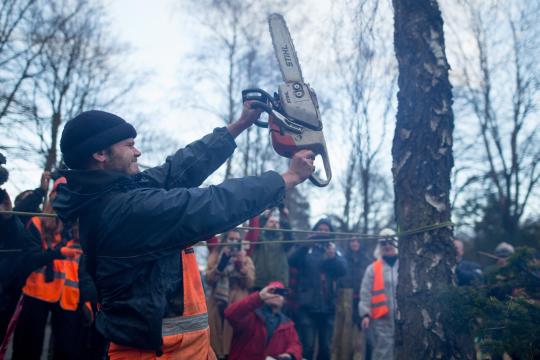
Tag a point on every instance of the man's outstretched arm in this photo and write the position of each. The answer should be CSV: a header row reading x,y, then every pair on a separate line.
x,y
190,166
161,220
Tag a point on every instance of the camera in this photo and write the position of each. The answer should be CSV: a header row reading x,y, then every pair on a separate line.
x,y
280,291
235,247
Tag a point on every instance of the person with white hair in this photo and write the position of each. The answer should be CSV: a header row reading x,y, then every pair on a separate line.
x,y
503,251
377,304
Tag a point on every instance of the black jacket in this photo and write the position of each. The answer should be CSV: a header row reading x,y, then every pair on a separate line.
x,y
132,228
317,277
467,272
20,254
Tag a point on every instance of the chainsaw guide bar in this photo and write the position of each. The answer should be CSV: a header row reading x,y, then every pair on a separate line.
x,y
294,119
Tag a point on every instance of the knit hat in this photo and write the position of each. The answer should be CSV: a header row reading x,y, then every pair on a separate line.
x,y
325,221
89,132
276,284
387,234
504,250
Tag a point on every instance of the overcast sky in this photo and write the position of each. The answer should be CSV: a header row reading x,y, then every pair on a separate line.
x,y
161,37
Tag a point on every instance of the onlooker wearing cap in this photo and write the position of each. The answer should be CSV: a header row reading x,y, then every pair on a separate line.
x,y
261,330
349,340
503,251
229,275
378,296
467,272
319,266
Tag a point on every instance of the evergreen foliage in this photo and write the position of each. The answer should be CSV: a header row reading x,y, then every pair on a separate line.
x,y
503,312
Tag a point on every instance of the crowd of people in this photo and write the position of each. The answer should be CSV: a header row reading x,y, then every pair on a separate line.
x,y
128,268
265,293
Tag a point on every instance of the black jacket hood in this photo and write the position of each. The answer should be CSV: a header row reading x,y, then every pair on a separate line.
x,y
82,188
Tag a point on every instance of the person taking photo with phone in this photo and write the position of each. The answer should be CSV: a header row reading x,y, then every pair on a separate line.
x,y
229,275
261,330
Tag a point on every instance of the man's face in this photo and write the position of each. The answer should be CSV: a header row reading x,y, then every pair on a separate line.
x,y
323,227
387,248
272,222
122,157
275,302
233,237
354,245
459,249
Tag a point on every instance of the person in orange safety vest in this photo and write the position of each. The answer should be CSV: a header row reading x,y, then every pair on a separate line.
x,y
377,304
52,288
138,228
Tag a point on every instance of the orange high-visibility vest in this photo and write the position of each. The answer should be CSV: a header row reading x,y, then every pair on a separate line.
x,y
65,285
194,297
379,302
186,336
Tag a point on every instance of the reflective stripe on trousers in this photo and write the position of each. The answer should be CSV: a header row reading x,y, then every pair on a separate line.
x,y
184,324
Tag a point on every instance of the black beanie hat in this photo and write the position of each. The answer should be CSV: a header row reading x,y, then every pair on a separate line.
x,y
89,132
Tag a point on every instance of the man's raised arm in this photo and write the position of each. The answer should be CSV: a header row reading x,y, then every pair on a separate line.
x,y
190,166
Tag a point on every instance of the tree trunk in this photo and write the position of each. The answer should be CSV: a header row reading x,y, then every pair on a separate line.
x,y
422,160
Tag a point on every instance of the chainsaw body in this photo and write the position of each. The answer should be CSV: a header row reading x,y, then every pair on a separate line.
x,y
290,134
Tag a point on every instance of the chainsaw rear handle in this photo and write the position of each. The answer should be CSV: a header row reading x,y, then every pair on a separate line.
x,y
317,181
262,100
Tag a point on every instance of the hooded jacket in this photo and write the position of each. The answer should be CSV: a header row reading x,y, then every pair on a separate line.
x,y
251,340
133,227
317,276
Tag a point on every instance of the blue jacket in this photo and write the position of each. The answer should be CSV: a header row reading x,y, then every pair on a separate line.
x,y
317,276
132,229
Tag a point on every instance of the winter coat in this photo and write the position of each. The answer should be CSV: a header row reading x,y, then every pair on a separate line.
x,y
467,272
357,262
20,254
133,227
382,329
271,259
317,275
221,332
250,335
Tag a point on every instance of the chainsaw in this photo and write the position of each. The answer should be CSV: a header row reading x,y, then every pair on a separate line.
x,y
294,120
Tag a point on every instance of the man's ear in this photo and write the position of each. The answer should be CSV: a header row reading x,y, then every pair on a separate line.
x,y
100,156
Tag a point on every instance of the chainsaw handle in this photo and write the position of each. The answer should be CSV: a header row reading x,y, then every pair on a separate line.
x,y
262,100
317,181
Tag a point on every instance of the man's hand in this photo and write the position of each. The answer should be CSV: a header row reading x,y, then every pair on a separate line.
x,y
365,322
300,168
246,119
45,180
70,252
266,293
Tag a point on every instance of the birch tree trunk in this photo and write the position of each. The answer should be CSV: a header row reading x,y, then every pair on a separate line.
x,y
422,161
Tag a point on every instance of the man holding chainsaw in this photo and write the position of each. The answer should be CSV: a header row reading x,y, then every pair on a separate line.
x,y
137,228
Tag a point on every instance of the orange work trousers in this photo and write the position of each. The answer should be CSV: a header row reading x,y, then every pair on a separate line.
x,y
193,346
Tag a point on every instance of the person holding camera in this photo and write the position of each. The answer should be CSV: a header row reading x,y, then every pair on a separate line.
x,y
261,330
270,258
229,275
319,265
